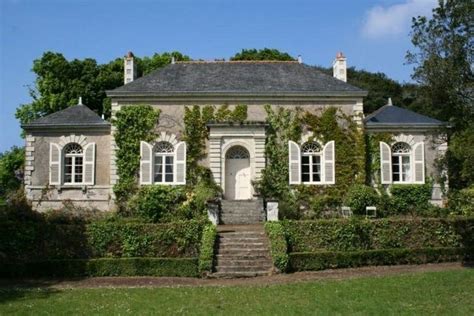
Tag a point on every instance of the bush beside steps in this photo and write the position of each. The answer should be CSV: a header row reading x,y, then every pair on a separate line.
x,y
311,261
178,267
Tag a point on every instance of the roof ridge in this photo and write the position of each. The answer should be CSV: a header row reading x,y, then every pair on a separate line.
x,y
236,61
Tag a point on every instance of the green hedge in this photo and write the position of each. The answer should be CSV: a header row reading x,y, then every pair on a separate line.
x,y
356,234
180,267
278,245
306,261
22,241
206,256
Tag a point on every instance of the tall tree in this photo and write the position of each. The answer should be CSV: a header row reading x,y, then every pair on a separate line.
x,y
11,170
443,59
262,54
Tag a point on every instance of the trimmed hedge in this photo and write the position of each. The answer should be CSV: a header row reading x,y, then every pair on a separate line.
x,y
278,245
179,267
22,241
206,256
304,261
356,234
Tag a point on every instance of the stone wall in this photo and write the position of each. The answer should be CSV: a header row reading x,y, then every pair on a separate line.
x,y
42,195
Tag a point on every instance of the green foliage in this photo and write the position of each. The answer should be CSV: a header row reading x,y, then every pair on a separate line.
x,y
310,261
44,240
206,256
170,267
11,167
149,64
460,158
59,83
410,198
283,126
133,124
278,246
442,55
359,197
262,54
372,152
155,203
196,133
462,202
354,235
330,124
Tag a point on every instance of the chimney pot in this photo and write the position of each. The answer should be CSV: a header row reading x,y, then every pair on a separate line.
x,y
173,61
300,59
339,67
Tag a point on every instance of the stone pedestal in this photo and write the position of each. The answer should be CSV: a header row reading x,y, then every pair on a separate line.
x,y
272,211
213,212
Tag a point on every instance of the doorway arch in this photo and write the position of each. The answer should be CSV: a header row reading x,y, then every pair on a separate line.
x,y
237,174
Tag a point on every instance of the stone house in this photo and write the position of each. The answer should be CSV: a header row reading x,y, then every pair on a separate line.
x,y
70,154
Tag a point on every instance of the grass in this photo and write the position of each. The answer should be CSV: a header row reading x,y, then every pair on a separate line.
x,y
448,292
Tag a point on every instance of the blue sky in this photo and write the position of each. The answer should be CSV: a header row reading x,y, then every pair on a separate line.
x,y
372,34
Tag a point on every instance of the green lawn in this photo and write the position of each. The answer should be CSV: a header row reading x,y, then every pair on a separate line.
x,y
450,292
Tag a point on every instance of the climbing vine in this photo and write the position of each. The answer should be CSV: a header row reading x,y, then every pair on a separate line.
x,y
133,124
330,124
372,142
196,133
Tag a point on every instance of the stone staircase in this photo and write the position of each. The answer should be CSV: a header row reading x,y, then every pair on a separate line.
x,y
242,251
241,212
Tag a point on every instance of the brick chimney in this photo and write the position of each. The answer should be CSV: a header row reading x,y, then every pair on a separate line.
x,y
339,67
129,69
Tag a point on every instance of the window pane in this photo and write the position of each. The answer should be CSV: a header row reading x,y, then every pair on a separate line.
x,y
78,178
316,168
169,160
158,169
169,177
406,168
67,178
305,177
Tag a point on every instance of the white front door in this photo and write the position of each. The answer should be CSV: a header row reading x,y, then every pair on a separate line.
x,y
237,174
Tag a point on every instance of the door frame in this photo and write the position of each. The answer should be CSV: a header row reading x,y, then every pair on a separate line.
x,y
224,150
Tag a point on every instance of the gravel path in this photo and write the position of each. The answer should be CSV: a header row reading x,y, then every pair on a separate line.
x,y
332,274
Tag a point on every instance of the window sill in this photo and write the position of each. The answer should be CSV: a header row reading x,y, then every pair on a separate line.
x,y
315,183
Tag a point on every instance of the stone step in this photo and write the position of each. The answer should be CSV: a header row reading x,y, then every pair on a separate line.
x,y
231,261
239,222
243,252
242,257
243,268
231,245
242,241
232,275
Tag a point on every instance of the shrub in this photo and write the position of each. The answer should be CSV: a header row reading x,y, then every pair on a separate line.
x,y
410,198
305,261
278,245
353,235
207,249
462,202
26,241
359,197
179,267
156,202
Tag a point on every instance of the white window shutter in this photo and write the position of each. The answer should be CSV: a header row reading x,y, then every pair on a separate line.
x,y
146,163
180,163
385,163
418,163
89,164
329,163
294,167
55,159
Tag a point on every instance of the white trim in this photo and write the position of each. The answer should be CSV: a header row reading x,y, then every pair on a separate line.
x,y
57,164
144,160
383,161
421,161
293,160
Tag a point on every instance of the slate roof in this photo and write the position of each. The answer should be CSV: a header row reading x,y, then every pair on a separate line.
x,y
391,115
73,116
255,78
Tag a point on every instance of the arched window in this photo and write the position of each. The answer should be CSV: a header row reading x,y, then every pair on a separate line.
x,y
401,164
163,162
311,153
73,163
237,152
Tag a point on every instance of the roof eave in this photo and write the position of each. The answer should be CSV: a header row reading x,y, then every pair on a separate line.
x,y
113,93
65,126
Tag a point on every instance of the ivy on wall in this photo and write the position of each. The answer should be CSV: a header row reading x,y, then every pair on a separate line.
x,y
196,133
133,124
372,144
330,124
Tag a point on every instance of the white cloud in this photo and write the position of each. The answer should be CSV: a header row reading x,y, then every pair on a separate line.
x,y
396,19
